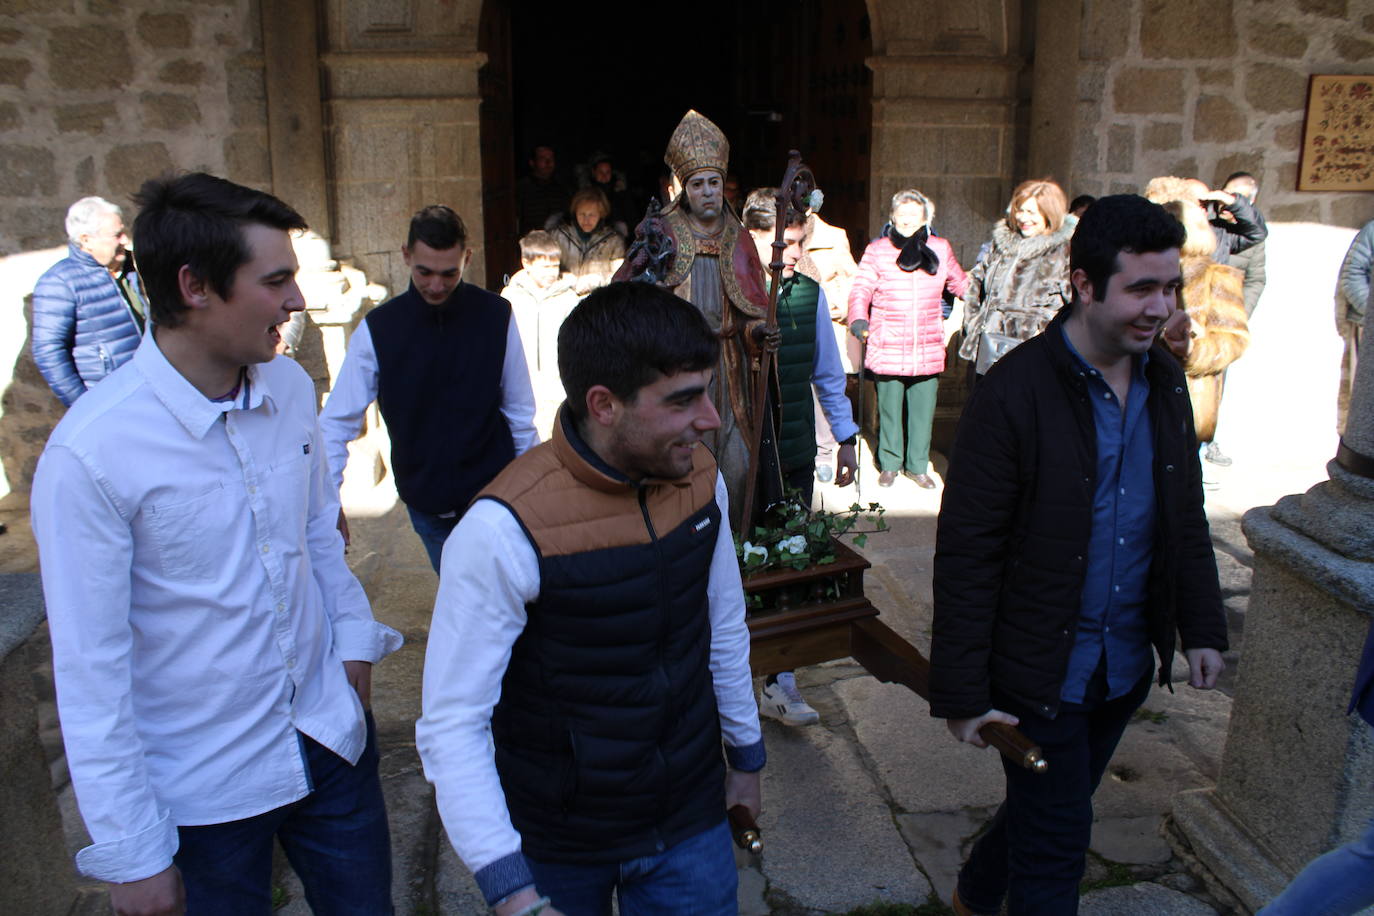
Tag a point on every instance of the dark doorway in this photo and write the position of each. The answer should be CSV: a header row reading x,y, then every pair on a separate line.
x,y
615,77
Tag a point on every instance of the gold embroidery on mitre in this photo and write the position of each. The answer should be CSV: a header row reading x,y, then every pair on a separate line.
x,y
696,144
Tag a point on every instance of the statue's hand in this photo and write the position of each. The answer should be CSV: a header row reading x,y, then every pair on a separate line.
x,y
766,338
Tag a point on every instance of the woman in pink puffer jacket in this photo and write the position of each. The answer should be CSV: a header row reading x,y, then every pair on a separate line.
x,y
895,305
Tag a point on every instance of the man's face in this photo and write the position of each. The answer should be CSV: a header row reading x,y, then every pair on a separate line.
x,y
656,434
242,329
436,273
1241,187
704,194
1140,297
108,244
792,235
543,163
588,215
763,244
543,269
602,172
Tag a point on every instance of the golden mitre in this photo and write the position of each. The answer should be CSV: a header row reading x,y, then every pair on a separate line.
x,y
696,144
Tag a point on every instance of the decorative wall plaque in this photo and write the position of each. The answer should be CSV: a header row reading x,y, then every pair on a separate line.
x,y
1338,135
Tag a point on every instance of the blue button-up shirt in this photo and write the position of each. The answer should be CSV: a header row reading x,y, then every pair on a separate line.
x,y
1111,618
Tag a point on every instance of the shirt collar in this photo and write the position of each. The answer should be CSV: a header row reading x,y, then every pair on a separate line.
x,y
1138,362
193,410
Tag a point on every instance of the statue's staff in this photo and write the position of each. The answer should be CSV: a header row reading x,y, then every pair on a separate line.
x,y
795,192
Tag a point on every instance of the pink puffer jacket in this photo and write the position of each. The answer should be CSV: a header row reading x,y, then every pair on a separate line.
x,y
905,330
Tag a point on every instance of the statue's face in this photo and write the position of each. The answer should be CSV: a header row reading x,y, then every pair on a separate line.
x,y
704,194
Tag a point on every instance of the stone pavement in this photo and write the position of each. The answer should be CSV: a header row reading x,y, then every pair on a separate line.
x,y
878,803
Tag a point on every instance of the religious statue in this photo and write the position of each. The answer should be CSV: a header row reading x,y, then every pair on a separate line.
x,y
704,255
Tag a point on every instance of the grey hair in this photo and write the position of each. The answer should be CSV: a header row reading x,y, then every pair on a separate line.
x,y
913,196
83,217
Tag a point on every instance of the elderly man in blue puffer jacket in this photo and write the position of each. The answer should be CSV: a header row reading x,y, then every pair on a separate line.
x,y
88,309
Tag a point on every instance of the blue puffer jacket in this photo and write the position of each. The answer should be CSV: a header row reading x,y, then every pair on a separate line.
x,y
82,328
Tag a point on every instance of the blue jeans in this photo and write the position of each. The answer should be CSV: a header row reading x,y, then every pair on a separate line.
x,y
336,838
1335,884
1035,850
433,531
696,877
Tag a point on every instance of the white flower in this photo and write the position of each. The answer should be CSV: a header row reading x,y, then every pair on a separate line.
x,y
796,544
750,550
817,200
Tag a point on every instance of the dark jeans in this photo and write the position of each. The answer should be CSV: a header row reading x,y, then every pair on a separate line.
x,y
433,531
696,877
1034,851
336,838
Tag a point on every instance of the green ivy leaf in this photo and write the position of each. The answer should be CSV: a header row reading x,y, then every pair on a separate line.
x,y
860,540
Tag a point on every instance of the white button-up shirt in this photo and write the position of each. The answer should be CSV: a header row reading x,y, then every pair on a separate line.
x,y
199,603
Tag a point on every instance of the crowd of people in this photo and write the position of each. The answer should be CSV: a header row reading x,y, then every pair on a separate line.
x,y
589,711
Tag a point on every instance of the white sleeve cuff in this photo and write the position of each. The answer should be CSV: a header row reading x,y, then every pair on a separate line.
x,y
131,858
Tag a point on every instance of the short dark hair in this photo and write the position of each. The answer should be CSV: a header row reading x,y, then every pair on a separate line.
x,y
1249,182
1081,201
1121,222
624,336
196,220
438,227
761,209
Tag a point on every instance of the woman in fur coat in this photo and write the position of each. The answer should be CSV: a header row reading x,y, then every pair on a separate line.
x,y
1214,296
1015,291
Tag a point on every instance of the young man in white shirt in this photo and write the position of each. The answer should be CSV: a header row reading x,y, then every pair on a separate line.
x,y
212,651
444,362
590,624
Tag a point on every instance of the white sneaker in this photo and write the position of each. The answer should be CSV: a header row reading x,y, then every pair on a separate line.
x,y
783,701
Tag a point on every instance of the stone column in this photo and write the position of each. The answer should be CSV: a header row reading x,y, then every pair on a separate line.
x,y
1054,91
295,115
1297,773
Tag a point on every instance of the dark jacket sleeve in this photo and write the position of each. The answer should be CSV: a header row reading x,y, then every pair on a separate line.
x,y
54,334
977,517
1201,619
1248,229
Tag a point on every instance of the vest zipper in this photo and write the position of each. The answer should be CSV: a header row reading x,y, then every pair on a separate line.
x,y
661,674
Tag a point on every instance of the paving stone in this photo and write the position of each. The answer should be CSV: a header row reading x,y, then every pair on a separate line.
x,y
1153,762
940,841
918,760
1130,840
1137,899
455,891
1235,576
752,888
817,795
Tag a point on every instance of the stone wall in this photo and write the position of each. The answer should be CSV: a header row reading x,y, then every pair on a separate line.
x,y
97,95
1205,89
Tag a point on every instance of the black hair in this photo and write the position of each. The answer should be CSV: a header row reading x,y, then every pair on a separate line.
x,y
196,220
1082,200
438,227
1121,222
624,336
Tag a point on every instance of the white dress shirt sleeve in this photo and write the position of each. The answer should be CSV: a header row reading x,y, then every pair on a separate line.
x,y
357,635
730,672
86,585
354,391
487,575
517,394
827,373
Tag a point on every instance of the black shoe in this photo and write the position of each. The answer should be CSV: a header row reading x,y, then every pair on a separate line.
x,y
1215,456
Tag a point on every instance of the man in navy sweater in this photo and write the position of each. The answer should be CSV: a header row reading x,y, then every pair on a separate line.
x,y
444,363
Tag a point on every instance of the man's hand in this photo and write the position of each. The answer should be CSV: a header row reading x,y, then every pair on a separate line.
x,y
160,895
1204,666
360,677
522,899
1222,197
846,466
744,789
343,528
1177,334
966,730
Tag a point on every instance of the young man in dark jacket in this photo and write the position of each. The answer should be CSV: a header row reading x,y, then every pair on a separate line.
x,y
1071,540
